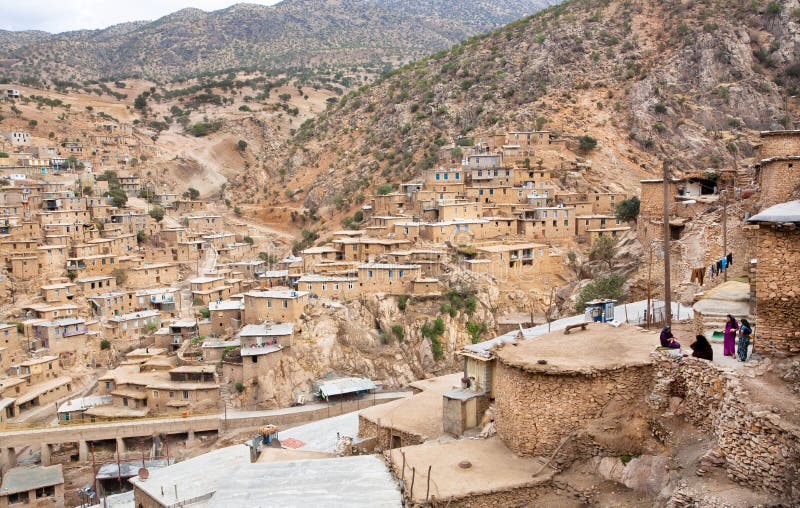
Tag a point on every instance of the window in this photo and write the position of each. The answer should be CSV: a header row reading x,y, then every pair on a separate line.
x,y
309,287
108,385
446,176
402,272
458,176
336,287
437,176
171,394
391,274
186,393
125,401
566,222
369,273
155,394
286,304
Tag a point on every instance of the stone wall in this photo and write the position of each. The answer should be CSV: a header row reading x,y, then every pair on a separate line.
x,y
535,411
386,437
775,145
778,291
779,181
762,450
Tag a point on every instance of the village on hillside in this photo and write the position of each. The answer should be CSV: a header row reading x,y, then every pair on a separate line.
x,y
166,314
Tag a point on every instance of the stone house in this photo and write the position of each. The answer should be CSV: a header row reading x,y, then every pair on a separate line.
x,y
584,223
131,326
362,249
96,285
99,264
203,222
66,336
187,206
58,293
652,196
777,300
394,203
458,210
329,286
613,232
33,486
776,170
387,278
570,388
274,305
515,260
226,316
148,275
209,289
188,387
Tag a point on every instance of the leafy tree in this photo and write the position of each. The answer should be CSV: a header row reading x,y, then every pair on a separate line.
x,y
602,287
105,344
157,214
475,331
118,197
237,211
140,102
141,236
402,302
248,240
587,143
384,189
205,313
432,332
267,257
242,145
627,210
191,193
604,249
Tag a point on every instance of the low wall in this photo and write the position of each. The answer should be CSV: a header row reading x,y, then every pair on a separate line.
x,y
762,450
383,436
538,410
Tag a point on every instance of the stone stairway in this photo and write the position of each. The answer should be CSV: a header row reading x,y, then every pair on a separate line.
x,y
225,390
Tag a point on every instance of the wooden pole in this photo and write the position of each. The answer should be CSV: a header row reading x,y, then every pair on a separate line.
x,y
725,233
667,281
413,477
428,488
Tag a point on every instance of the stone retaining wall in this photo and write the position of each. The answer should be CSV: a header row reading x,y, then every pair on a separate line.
x,y
368,429
762,450
537,411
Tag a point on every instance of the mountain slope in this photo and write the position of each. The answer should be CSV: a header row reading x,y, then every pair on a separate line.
x,y
650,80
291,34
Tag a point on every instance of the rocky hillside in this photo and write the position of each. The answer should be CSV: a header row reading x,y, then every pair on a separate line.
x,y
292,34
690,82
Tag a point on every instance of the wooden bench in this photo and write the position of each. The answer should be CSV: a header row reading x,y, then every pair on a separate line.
x,y
571,327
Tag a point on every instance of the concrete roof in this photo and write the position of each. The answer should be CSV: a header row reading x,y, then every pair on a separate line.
x,y
510,247
601,347
260,350
357,481
388,266
344,385
226,305
287,293
196,478
35,361
23,479
221,343
267,330
325,278
783,212
84,403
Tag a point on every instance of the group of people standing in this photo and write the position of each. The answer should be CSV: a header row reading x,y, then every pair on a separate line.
x,y
701,348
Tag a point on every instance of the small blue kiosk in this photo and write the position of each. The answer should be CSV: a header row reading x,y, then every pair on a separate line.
x,y
600,311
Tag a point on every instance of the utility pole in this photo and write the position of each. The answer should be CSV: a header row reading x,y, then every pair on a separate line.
x,y
724,192
667,288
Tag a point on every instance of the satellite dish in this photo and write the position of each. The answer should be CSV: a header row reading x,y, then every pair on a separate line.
x,y
144,473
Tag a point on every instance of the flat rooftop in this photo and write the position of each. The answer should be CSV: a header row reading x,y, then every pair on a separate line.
x,y
600,347
24,479
494,468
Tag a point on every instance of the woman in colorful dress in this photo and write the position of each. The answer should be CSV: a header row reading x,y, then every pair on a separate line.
x,y
745,336
729,337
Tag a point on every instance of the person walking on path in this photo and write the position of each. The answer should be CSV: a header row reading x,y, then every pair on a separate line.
x,y
745,335
729,337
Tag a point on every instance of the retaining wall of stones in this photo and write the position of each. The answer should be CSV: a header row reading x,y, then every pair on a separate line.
x,y
762,450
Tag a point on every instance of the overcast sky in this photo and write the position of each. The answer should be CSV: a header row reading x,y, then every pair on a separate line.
x,y
65,15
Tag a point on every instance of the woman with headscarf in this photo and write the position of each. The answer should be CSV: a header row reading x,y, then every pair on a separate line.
x,y
702,349
729,336
745,335
667,339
